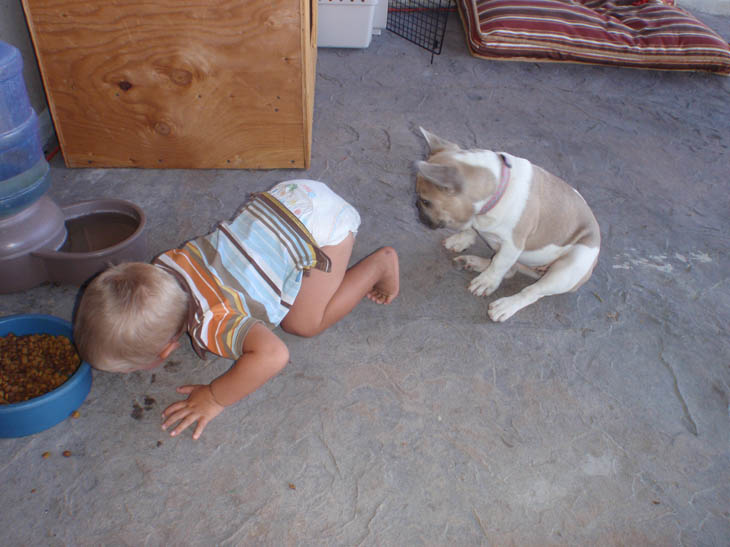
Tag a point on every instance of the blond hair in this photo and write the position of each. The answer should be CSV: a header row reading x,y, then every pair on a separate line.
x,y
127,316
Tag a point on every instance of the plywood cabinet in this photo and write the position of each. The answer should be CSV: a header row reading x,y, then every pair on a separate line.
x,y
178,83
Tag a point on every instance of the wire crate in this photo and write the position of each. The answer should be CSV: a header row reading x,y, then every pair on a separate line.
x,y
422,22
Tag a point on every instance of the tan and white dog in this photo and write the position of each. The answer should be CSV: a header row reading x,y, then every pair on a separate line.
x,y
535,222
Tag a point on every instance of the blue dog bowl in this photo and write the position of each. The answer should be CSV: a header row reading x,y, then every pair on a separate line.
x,y
45,411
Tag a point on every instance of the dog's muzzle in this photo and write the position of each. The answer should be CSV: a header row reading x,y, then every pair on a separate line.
x,y
425,219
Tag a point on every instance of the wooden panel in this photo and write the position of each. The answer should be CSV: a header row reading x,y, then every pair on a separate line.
x,y
309,47
177,83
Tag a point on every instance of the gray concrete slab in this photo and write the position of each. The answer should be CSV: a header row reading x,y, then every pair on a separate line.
x,y
595,418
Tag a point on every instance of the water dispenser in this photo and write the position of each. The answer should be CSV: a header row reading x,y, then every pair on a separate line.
x,y
39,240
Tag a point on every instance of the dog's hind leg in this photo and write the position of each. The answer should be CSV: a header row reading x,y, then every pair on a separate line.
x,y
564,275
534,273
471,263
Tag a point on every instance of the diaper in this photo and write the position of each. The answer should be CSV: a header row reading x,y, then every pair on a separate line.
x,y
327,216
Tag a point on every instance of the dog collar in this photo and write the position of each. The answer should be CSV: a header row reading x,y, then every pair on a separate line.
x,y
501,187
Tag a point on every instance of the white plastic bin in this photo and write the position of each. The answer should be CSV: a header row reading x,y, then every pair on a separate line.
x,y
345,23
380,21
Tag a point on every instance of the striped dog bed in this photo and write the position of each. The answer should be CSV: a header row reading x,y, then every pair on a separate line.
x,y
635,33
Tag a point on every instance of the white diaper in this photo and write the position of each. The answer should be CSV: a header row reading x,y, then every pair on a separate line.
x,y
327,216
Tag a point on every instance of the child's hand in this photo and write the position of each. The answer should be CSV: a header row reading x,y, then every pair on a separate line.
x,y
200,406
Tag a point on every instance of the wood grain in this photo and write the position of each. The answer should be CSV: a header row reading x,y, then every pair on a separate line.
x,y
178,84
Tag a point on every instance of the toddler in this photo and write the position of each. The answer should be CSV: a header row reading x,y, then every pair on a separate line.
x,y
282,260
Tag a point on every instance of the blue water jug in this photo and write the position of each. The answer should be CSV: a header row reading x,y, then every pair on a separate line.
x,y
23,168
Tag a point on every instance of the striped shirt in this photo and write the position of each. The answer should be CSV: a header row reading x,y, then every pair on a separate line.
x,y
246,271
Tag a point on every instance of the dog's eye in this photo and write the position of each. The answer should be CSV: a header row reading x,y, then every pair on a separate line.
x,y
425,202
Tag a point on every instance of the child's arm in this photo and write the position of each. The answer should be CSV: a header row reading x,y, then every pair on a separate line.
x,y
264,354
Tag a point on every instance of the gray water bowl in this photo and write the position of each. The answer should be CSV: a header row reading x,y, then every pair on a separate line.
x,y
68,244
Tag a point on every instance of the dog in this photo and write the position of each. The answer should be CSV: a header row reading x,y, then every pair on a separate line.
x,y
535,223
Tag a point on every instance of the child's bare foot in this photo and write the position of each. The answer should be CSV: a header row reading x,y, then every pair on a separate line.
x,y
386,289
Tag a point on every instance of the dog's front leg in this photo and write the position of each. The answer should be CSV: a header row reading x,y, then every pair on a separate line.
x,y
489,280
460,240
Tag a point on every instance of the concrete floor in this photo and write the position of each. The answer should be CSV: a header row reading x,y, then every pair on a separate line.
x,y
595,418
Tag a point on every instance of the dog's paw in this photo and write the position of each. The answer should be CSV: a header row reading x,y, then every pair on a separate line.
x,y
460,241
471,263
484,284
504,308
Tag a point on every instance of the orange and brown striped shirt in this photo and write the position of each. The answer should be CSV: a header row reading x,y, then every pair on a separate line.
x,y
246,271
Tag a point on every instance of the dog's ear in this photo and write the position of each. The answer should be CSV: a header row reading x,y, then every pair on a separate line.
x,y
446,177
437,144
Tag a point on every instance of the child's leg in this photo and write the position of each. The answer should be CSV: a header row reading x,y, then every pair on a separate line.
x,y
326,297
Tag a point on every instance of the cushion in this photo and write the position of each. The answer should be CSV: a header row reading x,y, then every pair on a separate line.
x,y
635,33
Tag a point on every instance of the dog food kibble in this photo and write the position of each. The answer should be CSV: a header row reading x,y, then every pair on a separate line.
x,y
75,414
34,364
66,453
46,455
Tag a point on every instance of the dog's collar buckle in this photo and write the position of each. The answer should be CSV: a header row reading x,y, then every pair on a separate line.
x,y
501,187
